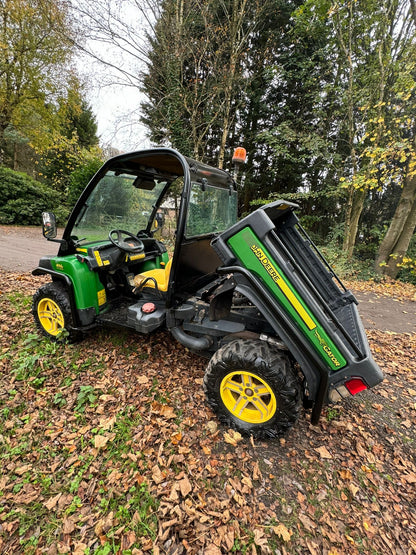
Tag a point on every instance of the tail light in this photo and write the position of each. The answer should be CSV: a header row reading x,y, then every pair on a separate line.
x,y
355,385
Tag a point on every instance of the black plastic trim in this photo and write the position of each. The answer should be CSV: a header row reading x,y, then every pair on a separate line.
x,y
57,276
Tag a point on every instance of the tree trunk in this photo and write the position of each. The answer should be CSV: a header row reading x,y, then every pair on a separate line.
x,y
357,197
393,268
238,40
413,10
398,236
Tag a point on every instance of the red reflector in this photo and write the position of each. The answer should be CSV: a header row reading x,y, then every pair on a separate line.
x,y
355,385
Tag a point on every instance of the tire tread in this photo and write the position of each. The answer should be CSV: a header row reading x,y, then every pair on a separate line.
x,y
268,363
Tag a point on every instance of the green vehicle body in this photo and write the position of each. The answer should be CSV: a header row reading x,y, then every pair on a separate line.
x,y
255,257
258,280
89,293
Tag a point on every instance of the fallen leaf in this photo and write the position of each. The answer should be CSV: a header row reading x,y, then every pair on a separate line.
x,y
79,548
308,523
50,504
157,475
68,525
176,438
345,474
256,471
185,486
261,541
212,426
247,482
323,452
100,441
22,469
353,489
301,497
107,423
283,532
232,437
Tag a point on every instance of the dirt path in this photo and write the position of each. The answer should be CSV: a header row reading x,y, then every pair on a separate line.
x,y
21,248
379,312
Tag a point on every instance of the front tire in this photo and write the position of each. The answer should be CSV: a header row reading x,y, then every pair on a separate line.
x,y
51,310
253,388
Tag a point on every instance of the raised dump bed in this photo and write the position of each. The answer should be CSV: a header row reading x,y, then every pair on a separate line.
x,y
277,266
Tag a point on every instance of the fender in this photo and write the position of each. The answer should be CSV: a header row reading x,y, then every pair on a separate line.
x,y
45,268
311,366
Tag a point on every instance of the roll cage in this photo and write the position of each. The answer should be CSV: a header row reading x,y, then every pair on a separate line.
x,y
165,166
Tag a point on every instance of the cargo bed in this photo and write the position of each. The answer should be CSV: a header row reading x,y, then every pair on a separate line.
x,y
276,264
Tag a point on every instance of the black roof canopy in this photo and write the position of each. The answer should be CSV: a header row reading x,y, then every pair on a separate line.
x,y
167,163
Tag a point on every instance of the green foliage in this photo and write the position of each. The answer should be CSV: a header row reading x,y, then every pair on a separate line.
x,y
86,396
408,265
346,268
29,365
198,72
80,177
323,98
24,199
35,38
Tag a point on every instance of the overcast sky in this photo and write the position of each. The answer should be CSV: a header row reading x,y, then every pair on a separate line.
x,y
117,113
117,108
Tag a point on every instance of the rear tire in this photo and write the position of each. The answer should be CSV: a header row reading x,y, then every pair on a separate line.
x,y
51,310
253,388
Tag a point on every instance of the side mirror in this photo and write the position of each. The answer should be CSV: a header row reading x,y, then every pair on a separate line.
x,y
159,220
49,229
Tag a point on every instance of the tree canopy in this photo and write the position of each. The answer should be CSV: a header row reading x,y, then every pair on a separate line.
x,y
35,47
321,94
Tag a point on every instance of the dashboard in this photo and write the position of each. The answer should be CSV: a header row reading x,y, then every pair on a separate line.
x,y
106,256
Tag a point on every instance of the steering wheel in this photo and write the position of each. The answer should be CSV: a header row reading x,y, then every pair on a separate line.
x,y
125,241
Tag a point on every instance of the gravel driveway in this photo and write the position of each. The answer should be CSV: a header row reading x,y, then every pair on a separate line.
x,y
21,248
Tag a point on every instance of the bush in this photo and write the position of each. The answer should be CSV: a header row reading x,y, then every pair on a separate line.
x,y
362,269
23,199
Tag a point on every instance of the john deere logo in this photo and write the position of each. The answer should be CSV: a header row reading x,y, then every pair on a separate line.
x,y
270,269
283,286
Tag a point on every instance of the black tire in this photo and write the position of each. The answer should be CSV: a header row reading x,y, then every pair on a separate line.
x,y
260,380
51,310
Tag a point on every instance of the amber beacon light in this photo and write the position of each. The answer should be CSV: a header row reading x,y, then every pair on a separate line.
x,y
240,155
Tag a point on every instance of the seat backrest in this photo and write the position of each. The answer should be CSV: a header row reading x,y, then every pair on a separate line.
x,y
160,275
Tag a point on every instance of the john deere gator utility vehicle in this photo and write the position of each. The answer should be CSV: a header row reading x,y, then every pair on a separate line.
x,y
254,296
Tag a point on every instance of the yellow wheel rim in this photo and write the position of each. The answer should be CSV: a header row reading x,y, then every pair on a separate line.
x,y
248,397
50,316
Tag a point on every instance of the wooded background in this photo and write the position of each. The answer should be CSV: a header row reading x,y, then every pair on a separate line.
x,y
320,93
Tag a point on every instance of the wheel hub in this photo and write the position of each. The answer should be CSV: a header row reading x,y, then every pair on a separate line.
x,y
50,316
248,397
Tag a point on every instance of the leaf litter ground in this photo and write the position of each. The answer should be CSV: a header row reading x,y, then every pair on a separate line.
x,y
107,446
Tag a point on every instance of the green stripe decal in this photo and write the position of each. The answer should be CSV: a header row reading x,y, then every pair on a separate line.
x,y
255,257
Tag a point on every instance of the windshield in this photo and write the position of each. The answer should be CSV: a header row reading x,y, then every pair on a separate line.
x,y
211,210
119,201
